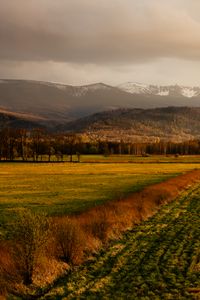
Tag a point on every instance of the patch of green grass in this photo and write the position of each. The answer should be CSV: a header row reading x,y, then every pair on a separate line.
x,y
159,259
71,188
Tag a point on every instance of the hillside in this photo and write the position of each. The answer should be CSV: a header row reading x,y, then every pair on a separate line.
x,y
20,120
61,103
171,123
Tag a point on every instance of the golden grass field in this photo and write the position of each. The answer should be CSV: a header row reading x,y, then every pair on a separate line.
x,y
67,188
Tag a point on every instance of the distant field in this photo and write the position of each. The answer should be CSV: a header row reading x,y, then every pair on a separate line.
x,y
70,188
127,158
141,159
159,259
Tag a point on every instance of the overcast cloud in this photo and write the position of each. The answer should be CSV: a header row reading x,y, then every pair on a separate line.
x,y
82,41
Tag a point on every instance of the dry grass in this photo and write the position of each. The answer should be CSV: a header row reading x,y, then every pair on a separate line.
x,y
69,240
8,270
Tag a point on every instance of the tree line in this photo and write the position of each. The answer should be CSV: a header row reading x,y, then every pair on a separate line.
x,y
38,145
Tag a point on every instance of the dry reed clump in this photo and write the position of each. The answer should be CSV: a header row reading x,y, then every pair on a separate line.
x,y
69,240
8,272
117,219
47,269
97,224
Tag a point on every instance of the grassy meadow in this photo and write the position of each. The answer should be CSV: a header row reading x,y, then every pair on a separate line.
x,y
66,188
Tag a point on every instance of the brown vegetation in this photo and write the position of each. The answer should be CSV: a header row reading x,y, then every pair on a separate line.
x,y
69,240
75,237
8,271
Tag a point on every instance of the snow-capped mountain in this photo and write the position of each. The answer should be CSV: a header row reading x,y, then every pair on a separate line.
x,y
171,90
79,91
76,91
59,103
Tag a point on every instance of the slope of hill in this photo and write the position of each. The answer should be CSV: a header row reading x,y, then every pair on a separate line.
x,y
20,120
61,103
171,123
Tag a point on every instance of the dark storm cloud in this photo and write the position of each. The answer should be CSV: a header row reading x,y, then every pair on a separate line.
x,y
98,31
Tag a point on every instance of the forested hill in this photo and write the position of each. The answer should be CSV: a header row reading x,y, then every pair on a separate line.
x,y
171,123
20,121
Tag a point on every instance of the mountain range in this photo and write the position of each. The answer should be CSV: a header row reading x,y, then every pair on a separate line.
x,y
100,107
61,103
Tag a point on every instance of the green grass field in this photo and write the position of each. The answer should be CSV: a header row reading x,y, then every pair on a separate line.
x,y
159,259
71,188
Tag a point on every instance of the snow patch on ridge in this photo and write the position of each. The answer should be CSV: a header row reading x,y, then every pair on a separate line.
x,y
78,91
189,92
163,93
173,90
134,88
83,90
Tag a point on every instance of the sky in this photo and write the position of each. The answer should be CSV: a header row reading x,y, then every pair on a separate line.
x,y
112,41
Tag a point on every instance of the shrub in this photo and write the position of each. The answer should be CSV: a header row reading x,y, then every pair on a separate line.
x,y
31,234
99,224
69,240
